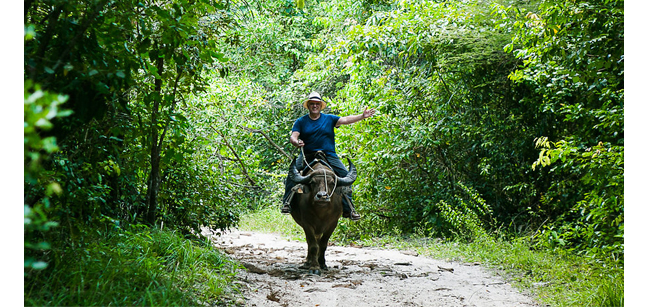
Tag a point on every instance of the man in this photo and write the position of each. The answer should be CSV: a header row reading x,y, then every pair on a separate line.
x,y
315,132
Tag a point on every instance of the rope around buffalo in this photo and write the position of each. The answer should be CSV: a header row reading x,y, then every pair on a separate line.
x,y
336,178
302,150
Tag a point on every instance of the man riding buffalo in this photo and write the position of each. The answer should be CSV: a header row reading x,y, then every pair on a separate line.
x,y
315,132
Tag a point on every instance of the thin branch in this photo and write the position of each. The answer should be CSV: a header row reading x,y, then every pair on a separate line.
x,y
442,79
241,163
267,138
220,157
383,216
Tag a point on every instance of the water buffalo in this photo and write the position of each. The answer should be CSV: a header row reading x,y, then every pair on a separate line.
x,y
318,208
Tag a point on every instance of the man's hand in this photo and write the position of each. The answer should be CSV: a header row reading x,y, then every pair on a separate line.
x,y
294,140
368,113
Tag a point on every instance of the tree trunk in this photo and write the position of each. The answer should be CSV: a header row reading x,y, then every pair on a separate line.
x,y
154,176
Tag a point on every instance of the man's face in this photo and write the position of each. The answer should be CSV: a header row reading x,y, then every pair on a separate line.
x,y
314,106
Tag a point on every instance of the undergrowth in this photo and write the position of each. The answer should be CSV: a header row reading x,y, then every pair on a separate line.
x,y
272,221
552,277
141,267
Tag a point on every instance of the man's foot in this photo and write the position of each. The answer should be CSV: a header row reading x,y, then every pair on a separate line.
x,y
286,209
352,215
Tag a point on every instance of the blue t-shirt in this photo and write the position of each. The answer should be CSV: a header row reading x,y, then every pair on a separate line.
x,y
317,134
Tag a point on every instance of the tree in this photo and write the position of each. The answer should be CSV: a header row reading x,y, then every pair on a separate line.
x,y
126,67
172,45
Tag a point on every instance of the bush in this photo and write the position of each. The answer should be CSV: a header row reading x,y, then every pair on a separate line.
x,y
41,107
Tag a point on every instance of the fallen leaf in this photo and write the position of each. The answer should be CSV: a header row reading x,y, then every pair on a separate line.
x,y
252,268
276,273
473,264
403,263
314,290
451,270
273,296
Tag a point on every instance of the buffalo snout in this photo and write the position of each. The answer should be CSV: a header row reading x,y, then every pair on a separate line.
x,y
321,196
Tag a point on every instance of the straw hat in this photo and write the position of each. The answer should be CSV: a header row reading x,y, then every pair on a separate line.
x,y
315,96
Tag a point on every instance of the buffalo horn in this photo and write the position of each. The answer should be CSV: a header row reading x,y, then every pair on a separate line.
x,y
295,175
351,176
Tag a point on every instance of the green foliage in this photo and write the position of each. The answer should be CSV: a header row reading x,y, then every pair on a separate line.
x,y
594,225
573,57
205,200
41,107
135,268
448,113
462,219
267,49
127,68
464,90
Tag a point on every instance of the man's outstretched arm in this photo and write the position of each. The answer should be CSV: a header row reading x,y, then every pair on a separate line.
x,y
351,119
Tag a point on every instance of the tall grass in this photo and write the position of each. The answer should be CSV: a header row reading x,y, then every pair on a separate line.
x,y
140,268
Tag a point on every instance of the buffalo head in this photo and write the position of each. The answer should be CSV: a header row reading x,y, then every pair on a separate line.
x,y
321,179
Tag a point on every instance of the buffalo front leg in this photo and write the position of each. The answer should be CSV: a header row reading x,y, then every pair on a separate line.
x,y
311,262
321,251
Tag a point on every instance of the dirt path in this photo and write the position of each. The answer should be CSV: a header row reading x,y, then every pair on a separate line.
x,y
359,277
